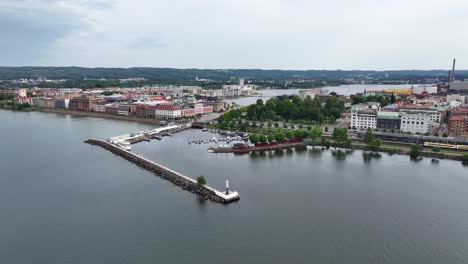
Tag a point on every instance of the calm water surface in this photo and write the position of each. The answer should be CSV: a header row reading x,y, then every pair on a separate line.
x,y
63,201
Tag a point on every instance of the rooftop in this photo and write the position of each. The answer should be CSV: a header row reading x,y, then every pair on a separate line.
x,y
388,115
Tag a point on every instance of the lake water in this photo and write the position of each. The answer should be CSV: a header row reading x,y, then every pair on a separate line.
x,y
341,90
63,201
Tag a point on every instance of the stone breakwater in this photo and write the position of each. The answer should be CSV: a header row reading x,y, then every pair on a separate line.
x,y
183,182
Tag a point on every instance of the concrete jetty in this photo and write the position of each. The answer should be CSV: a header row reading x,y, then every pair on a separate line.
x,y
186,183
139,136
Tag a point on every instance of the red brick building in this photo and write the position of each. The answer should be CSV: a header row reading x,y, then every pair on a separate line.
x,y
458,126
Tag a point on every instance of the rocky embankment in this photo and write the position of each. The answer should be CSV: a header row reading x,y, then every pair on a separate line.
x,y
160,171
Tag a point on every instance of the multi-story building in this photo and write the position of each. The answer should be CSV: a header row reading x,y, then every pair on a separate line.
x,y
25,100
45,102
35,101
415,122
455,97
460,111
458,126
99,108
167,112
461,87
389,120
435,115
83,103
217,106
364,116
22,93
62,103
188,112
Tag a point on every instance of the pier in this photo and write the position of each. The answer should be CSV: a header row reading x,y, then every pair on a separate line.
x,y
139,136
184,182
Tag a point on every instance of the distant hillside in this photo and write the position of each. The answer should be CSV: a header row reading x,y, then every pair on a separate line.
x,y
168,75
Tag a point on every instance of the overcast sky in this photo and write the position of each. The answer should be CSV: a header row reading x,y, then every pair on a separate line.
x,y
267,34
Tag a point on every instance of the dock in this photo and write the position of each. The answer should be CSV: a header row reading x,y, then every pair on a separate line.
x,y
184,182
146,135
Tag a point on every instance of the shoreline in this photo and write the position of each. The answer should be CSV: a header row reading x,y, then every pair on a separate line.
x,y
91,114
389,151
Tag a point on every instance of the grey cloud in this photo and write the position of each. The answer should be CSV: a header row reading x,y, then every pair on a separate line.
x,y
26,35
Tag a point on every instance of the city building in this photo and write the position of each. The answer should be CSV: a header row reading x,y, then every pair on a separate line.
x,y
424,89
458,86
22,93
389,120
99,108
456,97
83,103
458,126
364,116
62,103
25,100
415,122
45,102
460,111
35,101
310,92
168,112
436,115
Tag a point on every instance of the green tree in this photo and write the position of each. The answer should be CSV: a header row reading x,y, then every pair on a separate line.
x,y
201,180
254,138
465,159
415,151
288,134
279,136
271,138
368,137
340,135
375,144
263,139
315,133
436,149
299,134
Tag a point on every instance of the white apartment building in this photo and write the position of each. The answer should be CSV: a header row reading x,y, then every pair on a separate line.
x,y
435,115
415,122
364,116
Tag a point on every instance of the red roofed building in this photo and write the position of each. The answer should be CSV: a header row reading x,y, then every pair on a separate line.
x,y
458,126
168,112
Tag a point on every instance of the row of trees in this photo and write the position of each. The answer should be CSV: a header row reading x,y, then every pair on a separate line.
x,y
282,135
384,100
6,96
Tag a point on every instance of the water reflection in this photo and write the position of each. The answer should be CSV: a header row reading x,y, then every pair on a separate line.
x,y
279,153
315,152
416,159
341,154
368,156
300,150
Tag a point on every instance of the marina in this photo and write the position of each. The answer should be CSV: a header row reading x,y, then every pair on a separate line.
x,y
125,141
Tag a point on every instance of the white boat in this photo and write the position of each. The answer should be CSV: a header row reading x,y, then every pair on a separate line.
x,y
125,145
